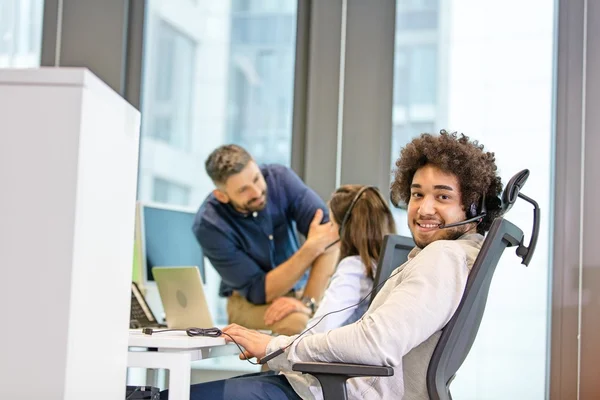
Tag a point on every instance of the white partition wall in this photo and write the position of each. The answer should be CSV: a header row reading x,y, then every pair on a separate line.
x,y
68,173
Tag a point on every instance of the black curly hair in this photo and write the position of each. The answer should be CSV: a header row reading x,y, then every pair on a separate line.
x,y
475,169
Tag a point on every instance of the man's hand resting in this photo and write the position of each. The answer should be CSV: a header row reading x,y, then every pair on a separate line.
x,y
320,235
282,307
254,343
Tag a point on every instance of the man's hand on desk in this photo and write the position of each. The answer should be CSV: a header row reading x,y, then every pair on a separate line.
x,y
254,343
282,307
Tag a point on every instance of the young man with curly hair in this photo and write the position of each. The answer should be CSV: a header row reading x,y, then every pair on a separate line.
x,y
443,179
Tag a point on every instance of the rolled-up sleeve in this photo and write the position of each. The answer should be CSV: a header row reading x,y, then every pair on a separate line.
x,y
237,269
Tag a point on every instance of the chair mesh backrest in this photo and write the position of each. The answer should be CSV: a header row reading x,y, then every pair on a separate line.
x,y
459,334
394,252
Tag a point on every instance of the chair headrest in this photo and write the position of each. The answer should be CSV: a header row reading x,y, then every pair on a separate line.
x,y
512,189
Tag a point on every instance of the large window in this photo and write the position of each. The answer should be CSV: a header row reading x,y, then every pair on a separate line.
x,y
262,54
453,72
215,72
170,100
20,33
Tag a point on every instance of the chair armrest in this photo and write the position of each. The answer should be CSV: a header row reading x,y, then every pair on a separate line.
x,y
350,370
333,376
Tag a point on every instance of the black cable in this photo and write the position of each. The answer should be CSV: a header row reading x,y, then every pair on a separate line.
x,y
216,332
192,332
132,393
274,354
209,332
331,244
343,309
241,351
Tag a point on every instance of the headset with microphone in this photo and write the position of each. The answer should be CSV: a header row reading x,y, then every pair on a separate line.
x,y
347,215
353,203
473,214
349,211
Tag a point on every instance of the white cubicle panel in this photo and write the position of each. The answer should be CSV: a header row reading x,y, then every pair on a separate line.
x,y
68,173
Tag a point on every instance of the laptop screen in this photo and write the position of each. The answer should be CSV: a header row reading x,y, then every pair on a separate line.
x,y
169,240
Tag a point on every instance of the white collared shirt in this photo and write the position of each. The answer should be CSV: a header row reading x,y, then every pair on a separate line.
x,y
400,329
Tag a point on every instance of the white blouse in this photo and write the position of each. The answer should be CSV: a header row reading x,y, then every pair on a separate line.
x,y
348,285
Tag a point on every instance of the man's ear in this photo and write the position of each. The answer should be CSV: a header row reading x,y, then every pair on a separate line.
x,y
220,196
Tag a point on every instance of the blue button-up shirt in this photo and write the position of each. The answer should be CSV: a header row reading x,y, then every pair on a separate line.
x,y
243,248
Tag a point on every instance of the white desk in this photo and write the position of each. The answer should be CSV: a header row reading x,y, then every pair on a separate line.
x,y
174,351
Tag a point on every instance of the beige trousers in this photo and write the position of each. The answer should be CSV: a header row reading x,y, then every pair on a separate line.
x,y
240,311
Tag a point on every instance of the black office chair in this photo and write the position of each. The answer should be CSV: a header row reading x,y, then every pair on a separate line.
x,y
459,334
394,253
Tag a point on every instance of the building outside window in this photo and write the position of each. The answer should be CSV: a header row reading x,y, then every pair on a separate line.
x,y
20,33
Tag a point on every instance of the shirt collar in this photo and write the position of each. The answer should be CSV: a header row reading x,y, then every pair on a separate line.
x,y
238,214
476,237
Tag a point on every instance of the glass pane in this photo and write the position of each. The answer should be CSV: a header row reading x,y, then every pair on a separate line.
x,y
167,192
495,85
231,81
20,33
215,72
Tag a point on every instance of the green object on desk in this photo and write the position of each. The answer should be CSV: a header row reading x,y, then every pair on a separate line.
x,y
136,269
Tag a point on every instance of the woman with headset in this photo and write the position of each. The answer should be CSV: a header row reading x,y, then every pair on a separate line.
x,y
363,218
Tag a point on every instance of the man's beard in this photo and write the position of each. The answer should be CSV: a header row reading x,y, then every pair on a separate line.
x,y
445,234
251,205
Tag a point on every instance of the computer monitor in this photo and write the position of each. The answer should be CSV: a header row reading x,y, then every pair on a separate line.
x,y
166,239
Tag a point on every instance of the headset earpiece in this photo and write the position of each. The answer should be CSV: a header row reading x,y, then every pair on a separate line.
x,y
474,215
473,210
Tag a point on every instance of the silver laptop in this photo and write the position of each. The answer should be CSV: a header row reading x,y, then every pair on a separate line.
x,y
182,294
